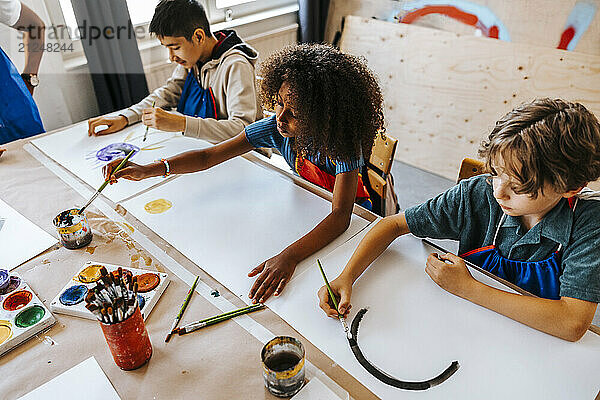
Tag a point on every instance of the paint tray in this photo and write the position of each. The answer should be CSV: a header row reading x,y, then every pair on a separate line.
x,y
71,299
22,313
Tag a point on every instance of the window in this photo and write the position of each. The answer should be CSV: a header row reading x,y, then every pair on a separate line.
x,y
226,10
140,11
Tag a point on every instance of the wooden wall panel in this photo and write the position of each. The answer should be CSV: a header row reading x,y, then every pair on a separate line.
x,y
444,91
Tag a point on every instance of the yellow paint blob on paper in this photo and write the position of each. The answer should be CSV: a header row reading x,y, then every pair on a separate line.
x,y
158,206
5,331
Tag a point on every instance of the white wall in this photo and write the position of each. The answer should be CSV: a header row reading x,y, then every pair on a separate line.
x,y
62,97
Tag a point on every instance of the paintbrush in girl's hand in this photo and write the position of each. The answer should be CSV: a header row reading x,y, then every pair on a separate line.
x,y
101,188
334,301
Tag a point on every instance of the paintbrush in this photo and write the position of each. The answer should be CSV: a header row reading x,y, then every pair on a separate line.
x,y
334,301
101,188
194,326
147,126
182,309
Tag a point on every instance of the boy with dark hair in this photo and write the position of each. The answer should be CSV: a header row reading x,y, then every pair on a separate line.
x,y
529,221
212,87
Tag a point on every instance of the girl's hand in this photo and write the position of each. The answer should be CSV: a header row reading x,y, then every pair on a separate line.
x,y
165,121
342,289
276,273
450,273
115,124
131,171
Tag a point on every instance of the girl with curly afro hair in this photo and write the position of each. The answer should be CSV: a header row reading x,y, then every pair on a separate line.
x,y
328,110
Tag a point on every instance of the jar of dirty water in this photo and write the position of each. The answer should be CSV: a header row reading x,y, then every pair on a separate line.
x,y
128,341
283,366
73,229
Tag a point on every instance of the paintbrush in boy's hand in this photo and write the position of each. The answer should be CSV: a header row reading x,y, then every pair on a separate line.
x,y
334,301
147,126
101,188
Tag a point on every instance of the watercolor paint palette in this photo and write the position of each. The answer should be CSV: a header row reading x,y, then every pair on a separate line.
x,y
22,313
71,299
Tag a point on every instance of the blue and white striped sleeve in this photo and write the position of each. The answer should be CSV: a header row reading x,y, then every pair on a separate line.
x,y
263,133
341,167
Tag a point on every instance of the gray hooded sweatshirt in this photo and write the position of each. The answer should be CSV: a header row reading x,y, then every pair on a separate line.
x,y
230,74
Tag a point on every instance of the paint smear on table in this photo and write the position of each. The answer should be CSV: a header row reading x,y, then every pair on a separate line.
x,y
91,249
158,206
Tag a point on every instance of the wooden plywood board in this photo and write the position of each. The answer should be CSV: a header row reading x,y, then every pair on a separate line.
x,y
536,22
444,91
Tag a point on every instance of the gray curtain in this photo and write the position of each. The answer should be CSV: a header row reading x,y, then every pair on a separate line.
x,y
110,46
313,17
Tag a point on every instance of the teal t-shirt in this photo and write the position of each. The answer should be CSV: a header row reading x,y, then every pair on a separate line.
x,y
469,213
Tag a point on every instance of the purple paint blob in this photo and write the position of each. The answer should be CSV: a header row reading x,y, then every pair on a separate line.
x,y
13,284
116,150
4,279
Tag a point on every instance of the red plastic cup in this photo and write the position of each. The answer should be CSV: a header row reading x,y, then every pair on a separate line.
x,y
128,341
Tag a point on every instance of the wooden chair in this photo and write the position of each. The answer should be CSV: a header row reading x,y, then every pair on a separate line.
x,y
469,167
377,176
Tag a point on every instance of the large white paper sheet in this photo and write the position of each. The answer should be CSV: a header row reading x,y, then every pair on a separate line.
x,y
20,239
85,380
414,330
234,216
84,156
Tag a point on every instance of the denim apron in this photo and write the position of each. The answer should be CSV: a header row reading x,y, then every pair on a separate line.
x,y
196,101
19,115
537,277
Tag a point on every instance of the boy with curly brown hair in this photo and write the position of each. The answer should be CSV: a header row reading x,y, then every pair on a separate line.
x,y
328,111
529,221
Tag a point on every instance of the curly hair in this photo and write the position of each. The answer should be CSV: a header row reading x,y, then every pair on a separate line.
x,y
337,99
546,141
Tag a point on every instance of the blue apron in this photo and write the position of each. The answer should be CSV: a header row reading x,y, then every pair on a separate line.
x,y
19,115
196,101
537,277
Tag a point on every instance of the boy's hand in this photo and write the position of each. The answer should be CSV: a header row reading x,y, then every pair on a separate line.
x,y
131,171
276,272
115,124
450,273
342,289
163,120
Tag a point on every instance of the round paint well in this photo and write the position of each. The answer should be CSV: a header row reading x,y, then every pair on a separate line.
x,y
89,274
141,302
30,316
5,331
147,282
73,295
17,300
4,279
13,284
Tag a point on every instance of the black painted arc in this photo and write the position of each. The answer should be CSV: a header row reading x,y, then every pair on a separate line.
x,y
385,377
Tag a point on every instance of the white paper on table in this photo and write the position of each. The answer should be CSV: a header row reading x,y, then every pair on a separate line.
x,y
232,217
86,377
20,239
315,390
414,330
76,151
